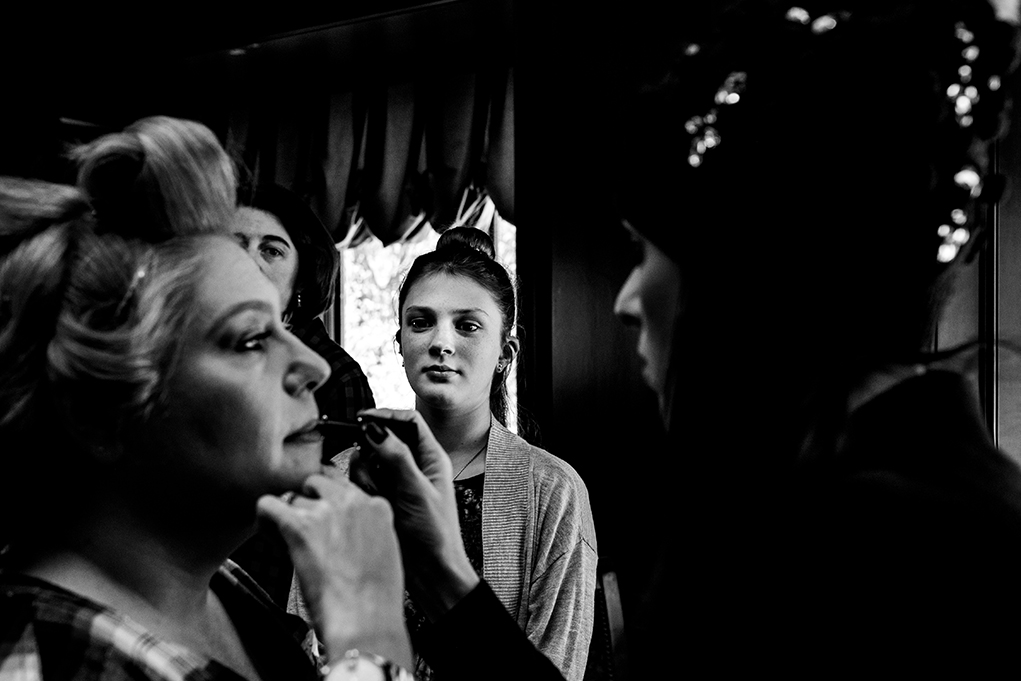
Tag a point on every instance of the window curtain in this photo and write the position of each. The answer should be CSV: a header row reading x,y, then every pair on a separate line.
x,y
386,159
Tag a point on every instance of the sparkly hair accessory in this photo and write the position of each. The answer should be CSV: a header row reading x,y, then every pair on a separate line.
x,y
821,24
704,135
964,95
136,280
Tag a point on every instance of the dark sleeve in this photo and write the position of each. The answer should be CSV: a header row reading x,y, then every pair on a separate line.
x,y
347,390
478,638
904,571
342,396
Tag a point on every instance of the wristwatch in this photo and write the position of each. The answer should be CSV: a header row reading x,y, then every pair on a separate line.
x,y
357,665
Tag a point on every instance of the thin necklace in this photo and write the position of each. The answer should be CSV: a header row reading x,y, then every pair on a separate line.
x,y
463,468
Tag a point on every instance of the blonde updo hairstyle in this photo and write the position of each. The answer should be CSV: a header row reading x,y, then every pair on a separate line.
x,y
157,178
91,327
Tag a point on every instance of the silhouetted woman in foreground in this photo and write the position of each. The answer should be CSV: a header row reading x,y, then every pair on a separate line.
x,y
803,184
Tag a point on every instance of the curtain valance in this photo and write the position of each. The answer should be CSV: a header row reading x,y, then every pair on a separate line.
x,y
383,159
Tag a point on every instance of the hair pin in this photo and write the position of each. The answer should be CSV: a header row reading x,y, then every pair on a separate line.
x,y
129,294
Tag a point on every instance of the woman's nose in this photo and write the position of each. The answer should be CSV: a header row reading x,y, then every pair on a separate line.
x,y
442,342
627,306
308,370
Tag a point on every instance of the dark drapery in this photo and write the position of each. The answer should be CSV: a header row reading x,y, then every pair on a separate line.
x,y
383,159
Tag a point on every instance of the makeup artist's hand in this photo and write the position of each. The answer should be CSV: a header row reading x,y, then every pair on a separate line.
x,y
424,507
348,564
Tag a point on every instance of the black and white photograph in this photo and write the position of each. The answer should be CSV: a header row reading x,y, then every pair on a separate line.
x,y
439,340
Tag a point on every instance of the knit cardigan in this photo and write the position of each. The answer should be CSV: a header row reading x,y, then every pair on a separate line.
x,y
539,547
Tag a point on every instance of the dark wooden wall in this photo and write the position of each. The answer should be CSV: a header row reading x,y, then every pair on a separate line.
x,y
1006,306
582,375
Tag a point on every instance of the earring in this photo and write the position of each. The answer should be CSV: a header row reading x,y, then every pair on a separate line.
x,y
499,367
297,299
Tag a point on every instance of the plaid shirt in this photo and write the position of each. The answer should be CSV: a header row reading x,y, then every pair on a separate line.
x,y
48,632
347,390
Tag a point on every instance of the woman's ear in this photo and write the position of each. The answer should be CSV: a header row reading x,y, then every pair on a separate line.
x,y
509,352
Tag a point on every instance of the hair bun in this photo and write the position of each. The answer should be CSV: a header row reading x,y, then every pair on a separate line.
x,y
160,177
467,238
109,172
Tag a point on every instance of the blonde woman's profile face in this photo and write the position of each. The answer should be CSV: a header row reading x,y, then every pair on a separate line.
x,y
242,413
650,300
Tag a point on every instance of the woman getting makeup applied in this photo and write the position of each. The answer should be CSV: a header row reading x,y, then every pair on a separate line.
x,y
150,397
187,185
803,184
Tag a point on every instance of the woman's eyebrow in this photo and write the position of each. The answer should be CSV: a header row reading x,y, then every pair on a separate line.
x,y
418,310
471,310
466,310
236,309
273,238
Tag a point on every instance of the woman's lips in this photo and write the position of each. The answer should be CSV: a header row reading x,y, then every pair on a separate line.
x,y
307,434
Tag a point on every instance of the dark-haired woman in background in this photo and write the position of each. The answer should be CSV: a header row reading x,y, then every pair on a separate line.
x,y
302,261
294,250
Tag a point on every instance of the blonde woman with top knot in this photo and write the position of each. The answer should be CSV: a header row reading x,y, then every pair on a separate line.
x,y
152,405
